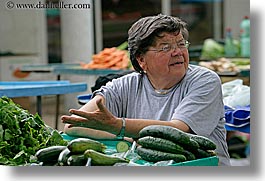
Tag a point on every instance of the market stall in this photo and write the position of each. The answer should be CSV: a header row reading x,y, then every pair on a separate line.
x,y
33,143
121,152
227,68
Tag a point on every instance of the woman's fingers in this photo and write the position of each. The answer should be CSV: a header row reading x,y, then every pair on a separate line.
x,y
79,112
73,120
87,114
88,119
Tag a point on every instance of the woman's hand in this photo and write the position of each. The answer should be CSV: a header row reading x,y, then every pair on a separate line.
x,y
101,119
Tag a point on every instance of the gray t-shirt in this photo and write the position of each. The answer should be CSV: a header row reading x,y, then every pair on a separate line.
x,y
196,100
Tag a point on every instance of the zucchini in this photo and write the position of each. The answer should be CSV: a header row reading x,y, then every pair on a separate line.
x,y
101,159
204,142
160,144
80,145
49,154
151,155
77,160
64,155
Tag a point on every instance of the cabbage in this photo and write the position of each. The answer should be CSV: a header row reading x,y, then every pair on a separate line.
x,y
212,50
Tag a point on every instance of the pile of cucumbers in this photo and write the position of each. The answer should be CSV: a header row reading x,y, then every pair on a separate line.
x,y
155,143
78,152
161,143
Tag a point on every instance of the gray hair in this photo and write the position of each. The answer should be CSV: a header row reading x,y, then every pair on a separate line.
x,y
142,34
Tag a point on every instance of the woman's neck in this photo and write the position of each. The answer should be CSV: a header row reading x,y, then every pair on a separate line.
x,y
162,84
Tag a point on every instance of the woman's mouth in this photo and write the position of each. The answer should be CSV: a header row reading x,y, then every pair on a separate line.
x,y
176,63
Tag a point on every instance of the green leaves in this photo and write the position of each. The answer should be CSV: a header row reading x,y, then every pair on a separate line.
x,y
22,134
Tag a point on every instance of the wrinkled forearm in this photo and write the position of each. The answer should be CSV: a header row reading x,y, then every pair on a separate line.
x,y
133,126
103,125
91,133
87,132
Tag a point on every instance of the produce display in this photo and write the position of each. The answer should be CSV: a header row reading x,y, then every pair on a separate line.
x,y
161,143
78,152
22,134
110,58
25,140
227,65
49,155
213,49
213,56
100,159
80,145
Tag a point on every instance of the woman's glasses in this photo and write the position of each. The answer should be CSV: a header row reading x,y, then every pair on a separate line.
x,y
167,46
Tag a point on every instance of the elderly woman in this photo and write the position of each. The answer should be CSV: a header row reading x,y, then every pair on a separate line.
x,y
164,90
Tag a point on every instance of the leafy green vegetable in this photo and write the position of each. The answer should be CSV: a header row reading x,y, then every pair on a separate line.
x,y
212,50
241,61
123,46
22,134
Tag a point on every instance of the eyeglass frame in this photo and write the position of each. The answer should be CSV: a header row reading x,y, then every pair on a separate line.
x,y
166,49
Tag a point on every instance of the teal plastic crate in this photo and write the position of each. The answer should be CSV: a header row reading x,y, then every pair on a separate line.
x,y
111,149
210,161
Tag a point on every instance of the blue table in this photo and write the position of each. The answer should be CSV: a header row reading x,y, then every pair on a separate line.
x,y
64,68
40,88
78,70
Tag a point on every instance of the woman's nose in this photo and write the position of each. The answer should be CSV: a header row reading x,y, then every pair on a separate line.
x,y
176,51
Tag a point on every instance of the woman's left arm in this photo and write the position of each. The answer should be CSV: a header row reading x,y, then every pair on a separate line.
x,y
110,126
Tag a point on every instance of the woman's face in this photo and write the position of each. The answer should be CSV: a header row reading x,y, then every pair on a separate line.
x,y
167,58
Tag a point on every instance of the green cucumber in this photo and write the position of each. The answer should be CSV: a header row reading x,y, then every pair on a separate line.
x,y
204,142
101,159
189,155
151,155
166,132
199,153
49,154
190,145
160,144
80,145
169,133
77,160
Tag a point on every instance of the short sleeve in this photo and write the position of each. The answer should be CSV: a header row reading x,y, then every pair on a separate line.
x,y
202,106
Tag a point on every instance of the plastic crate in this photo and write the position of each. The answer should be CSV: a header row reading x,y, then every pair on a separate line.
x,y
210,161
111,149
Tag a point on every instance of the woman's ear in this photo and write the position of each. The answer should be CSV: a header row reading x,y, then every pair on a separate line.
x,y
141,61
